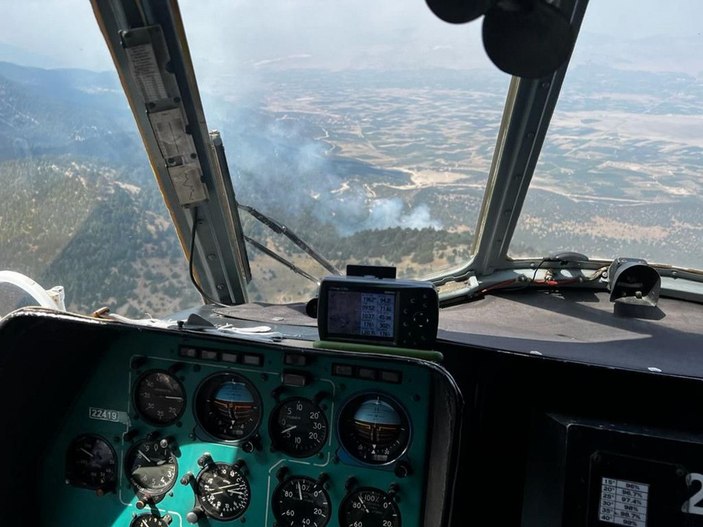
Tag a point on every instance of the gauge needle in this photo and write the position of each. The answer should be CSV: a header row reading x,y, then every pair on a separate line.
x,y
289,429
300,492
173,397
363,505
86,452
144,456
144,523
225,488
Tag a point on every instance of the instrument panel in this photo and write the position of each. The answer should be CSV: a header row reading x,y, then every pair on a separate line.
x,y
176,431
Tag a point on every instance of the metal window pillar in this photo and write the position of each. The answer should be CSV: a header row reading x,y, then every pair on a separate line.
x,y
148,45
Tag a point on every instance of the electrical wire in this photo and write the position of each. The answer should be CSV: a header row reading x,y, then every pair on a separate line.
x,y
190,263
505,284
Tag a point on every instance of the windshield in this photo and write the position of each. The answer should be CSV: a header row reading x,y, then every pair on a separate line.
x,y
620,171
366,127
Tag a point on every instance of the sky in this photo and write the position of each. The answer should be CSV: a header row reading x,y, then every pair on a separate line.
x,y
338,34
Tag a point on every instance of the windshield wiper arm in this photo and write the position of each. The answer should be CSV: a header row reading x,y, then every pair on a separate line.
x,y
281,260
285,231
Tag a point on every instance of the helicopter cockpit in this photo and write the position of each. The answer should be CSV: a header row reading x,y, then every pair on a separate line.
x,y
401,285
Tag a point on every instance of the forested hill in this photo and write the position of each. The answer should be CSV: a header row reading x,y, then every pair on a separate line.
x,y
80,206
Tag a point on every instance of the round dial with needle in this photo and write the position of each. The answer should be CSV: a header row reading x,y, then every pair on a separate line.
x,y
159,398
90,463
228,407
298,427
374,428
301,501
223,491
369,507
151,467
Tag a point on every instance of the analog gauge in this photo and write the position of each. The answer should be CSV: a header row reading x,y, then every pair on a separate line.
x,y
159,398
301,501
151,467
374,429
228,407
149,520
298,427
369,507
90,463
223,491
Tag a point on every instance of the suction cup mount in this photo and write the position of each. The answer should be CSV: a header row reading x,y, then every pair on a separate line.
x,y
525,38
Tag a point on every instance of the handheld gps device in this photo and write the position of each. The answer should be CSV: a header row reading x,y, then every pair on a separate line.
x,y
386,312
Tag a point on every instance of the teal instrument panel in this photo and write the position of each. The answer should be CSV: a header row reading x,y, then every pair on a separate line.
x,y
179,430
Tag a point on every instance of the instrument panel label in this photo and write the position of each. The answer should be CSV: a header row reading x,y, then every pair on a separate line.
x,y
104,414
623,502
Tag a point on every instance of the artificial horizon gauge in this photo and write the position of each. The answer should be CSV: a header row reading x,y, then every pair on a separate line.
x,y
151,467
223,491
149,520
301,501
298,427
228,407
91,463
159,398
374,428
369,507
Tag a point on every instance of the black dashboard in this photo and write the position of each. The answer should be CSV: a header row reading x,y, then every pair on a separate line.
x,y
154,427
571,416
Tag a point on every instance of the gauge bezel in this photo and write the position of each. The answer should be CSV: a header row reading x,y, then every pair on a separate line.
x,y
112,452
349,498
275,500
143,491
225,375
141,413
205,505
273,425
397,406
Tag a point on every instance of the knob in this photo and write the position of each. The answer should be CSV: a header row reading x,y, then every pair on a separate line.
x,y
138,362
175,367
403,469
282,473
241,466
322,479
140,504
205,460
252,444
350,483
131,434
194,515
187,478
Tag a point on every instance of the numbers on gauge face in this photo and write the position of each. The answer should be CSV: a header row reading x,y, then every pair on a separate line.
x,y
223,491
298,427
369,507
151,467
374,429
159,398
228,407
149,520
301,501
90,463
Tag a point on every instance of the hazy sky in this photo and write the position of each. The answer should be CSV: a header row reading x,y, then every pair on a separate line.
x,y
63,33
